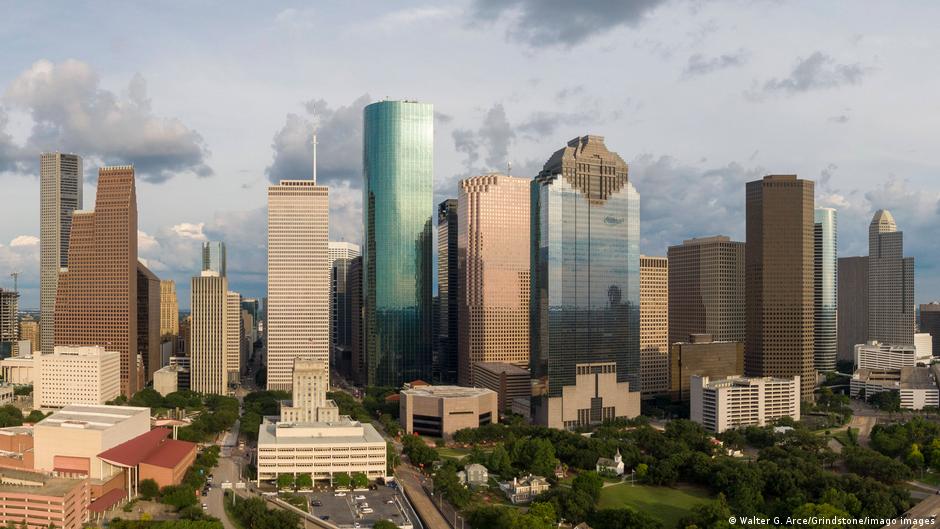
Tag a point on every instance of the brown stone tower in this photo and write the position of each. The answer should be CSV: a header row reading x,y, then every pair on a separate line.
x,y
96,302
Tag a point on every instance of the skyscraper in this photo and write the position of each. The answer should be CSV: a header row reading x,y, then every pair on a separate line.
x,y
890,283
398,160
929,323
654,326
357,356
169,312
148,321
706,289
585,299
493,272
213,257
297,323
445,362
209,333
60,182
852,306
234,345
9,322
96,301
341,256
29,330
780,280
826,287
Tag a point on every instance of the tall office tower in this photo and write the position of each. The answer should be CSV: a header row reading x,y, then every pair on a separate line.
x,y
298,306
826,287
9,322
234,330
96,301
357,357
929,323
445,362
213,257
852,306
341,255
310,382
780,280
585,298
169,313
210,336
654,326
706,289
397,200
185,343
890,283
148,320
493,273
29,330
60,193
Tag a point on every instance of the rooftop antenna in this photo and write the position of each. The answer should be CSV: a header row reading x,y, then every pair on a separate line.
x,y
314,156
15,276
509,168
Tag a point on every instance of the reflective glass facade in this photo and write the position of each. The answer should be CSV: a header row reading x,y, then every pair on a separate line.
x,y
397,161
585,270
826,290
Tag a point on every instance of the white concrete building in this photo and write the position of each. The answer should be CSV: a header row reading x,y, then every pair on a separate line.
x,y
728,403
917,386
298,307
18,370
166,380
76,375
877,355
215,334
310,384
923,345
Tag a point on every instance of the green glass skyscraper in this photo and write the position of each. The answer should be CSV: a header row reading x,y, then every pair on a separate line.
x,y
397,200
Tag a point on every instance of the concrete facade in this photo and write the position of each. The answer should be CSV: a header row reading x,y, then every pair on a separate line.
x,y
507,380
310,382
876,355
42,501
76,375
19,370
166,380
439,411
594,382
733,402
654,326
209,335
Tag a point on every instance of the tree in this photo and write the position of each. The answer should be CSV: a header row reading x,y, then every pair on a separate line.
x,y
148,489
285,481
360,480
588,482
448,485
623,518
392,457
914,458
35,416
304,481
384,524
500,463
641,471
341,480
867,462
825,511
711,515
178,496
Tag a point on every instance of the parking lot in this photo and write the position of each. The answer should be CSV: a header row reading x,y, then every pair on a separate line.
x,y
344,511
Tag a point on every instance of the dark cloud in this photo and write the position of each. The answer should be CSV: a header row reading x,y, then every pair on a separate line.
x,y
701,65
441,118
569,92
495,135
541,125
816,72
547,23
840,119
11,155
70,112
339,143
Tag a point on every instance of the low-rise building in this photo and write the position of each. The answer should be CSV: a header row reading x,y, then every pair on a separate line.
x,y
719,405
524,489
916,386
18,370
69,441
183,372
596,396
610,467
76,375
924,515
41,501
16,448
7,393
440,411
702,356
166,380
152,455
475,475
923,345
509,381
877,355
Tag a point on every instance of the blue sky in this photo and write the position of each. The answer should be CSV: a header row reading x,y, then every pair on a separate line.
x,y
213,100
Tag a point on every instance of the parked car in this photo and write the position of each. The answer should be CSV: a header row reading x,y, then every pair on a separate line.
x,y
367,510
390,502
325,517
359,497
205,507
339,494
316,503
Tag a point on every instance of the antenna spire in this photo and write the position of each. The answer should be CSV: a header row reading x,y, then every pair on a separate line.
x,y
314,156
509,168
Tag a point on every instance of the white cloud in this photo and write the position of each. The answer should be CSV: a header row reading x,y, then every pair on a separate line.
x,y
24,240
187,230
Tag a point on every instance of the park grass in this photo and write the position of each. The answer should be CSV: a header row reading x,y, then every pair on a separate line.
x,y
665,504
843,436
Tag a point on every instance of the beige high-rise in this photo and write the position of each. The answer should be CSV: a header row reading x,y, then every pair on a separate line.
x,y
210,336
76,375
96,300
298,308
60,193
706,289
492,272
169,310
233,336
654,325
780,268
29,330
310,382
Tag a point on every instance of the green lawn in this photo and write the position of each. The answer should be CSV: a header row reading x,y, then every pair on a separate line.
x,y
665,504
453,453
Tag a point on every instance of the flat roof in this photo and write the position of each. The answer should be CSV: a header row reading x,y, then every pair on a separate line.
x,y
267,434
447,392
23,481
90,416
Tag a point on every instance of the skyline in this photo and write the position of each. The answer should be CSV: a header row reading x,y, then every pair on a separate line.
x,y
843,106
